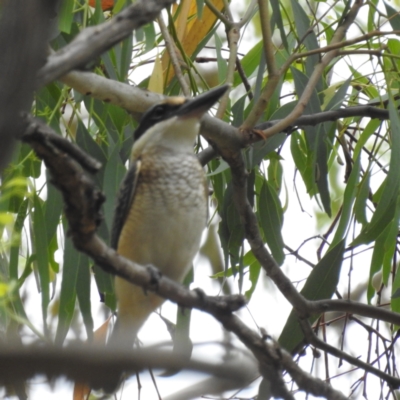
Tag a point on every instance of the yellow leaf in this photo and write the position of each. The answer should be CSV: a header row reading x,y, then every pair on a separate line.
x,y
194,33
198,29
181,22
156,82
6,218
3,289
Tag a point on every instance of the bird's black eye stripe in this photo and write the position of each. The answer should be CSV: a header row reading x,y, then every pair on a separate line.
x,y
158,112
155,115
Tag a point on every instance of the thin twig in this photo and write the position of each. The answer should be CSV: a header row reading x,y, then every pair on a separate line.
x,y
316,75
173,56
315,341
217,13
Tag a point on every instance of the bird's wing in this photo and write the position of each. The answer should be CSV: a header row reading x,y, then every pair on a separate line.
x,y
124,201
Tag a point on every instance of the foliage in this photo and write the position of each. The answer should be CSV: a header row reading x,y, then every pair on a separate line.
x,y
344,168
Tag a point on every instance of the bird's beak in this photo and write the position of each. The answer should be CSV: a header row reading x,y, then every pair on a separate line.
x,y
197,106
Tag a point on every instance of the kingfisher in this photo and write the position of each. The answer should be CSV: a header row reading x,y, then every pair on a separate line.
x,y
162,206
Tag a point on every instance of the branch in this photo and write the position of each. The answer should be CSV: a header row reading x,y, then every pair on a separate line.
x,y
352,307
225,136
94,41
100,365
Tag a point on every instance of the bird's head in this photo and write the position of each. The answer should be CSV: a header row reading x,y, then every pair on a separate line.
x,y
174,123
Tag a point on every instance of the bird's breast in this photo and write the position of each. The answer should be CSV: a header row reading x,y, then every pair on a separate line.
x,y
168,213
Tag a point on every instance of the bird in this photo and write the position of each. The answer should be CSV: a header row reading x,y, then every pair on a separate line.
x,y
162,207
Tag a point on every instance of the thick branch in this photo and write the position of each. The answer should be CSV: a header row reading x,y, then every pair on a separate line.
x,y
220,133
100,366
94,41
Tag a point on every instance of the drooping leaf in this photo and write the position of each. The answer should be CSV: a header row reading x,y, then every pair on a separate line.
x,y
320,284
113,174
52,211
277,17
250,62
83,284
271,219
42,262
16,240
222,66
348,200
387,205
71,265
361,199
66,16
156,82
394,17
390,245
376,261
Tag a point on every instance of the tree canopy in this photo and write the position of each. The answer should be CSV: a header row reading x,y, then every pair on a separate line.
x,y
302,156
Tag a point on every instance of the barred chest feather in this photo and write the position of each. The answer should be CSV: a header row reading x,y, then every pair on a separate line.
x,y
169,213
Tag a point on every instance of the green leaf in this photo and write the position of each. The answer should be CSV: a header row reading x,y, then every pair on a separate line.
x,y
119,5
339,95
387,205
42,262
321,163
200,6
250,62
183,345
254,274
16,240
150,37
53,208
221,62
275,172
230,229
369,130
320,284
66,16
71,265
86,142
105,286
299,152
271,219
303,25
348,199
258,151
277,17
371,15
305,34
123,52
376,261
395,299
361,200
390,245
83,293
113,174
394,17
223,166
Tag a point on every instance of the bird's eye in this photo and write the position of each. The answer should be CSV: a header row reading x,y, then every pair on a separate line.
x,y
158,112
